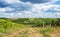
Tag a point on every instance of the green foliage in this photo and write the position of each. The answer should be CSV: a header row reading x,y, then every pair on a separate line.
x,y
6,25
46,31
38,22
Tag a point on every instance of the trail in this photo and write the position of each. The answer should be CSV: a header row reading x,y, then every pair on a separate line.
x,y
14,33
56,33
35,32
26,32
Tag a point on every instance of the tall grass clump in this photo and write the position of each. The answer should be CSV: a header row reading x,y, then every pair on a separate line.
x,y
46,31
6,25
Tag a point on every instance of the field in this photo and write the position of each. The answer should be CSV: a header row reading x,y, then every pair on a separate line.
x,y
29,27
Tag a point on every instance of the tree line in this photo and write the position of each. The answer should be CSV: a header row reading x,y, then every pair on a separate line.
x,y
39,22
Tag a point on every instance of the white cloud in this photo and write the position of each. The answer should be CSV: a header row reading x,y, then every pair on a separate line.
x,y
56,7
45,7
19,13
29,9
2,10
40,7
6,9
11,14
53,1
26,12
12,1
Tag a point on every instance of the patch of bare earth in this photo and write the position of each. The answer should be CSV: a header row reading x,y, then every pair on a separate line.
x,y
35,32
56,33
25,32
14,33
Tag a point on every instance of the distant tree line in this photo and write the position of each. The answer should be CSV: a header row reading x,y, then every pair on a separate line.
x,y
39,22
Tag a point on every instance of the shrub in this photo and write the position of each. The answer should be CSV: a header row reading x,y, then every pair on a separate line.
x,y
46,31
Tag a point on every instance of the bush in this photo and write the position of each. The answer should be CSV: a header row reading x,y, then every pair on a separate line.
x,y
6,25
46,31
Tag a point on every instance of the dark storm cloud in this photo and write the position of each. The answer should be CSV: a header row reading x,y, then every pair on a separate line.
x,y
36,1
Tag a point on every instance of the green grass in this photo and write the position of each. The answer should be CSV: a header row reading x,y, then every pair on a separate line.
x,y
46,31
22,34
6,26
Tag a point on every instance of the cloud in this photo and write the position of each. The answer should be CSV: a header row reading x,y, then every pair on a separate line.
x,y
19,9
39,1
7,9
12,1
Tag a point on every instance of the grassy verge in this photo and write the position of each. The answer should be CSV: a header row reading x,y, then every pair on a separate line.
x,y
7,26
46,31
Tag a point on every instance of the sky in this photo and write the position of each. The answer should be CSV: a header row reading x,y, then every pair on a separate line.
x,y
30,8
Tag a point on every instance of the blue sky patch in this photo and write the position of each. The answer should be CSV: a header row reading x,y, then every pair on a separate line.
x,y
36,1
